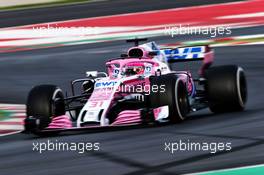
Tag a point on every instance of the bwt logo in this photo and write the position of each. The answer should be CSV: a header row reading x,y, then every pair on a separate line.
x,y
106,84
185,53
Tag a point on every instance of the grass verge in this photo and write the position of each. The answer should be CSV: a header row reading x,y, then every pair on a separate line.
x,y
42,5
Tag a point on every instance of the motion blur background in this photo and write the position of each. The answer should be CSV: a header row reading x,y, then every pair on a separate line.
x,y
28,58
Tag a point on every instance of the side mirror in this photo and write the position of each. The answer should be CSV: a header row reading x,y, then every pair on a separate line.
x,y
91,73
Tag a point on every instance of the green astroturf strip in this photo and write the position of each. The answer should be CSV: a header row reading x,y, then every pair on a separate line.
x,y
253,170
4,114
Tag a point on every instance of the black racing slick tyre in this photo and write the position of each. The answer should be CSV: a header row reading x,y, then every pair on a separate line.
x,y
226,88
172,93
43,103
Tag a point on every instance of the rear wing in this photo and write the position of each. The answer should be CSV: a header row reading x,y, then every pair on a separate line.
x,y
183,54
192,53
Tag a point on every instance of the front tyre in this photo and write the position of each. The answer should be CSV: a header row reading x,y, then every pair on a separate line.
x,y
226,88
43,103
174,96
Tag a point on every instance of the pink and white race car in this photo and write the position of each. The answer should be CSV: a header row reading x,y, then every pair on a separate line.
x,y
139,88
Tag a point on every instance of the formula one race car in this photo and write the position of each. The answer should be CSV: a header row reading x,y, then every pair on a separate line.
x,y
139,88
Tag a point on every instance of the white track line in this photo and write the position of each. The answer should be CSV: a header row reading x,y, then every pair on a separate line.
x,y
11,127
12,120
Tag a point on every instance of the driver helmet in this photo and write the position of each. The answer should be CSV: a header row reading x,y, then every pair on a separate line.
x,y
134,69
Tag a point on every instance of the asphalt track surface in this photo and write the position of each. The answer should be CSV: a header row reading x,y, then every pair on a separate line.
x,y
132,151
138,150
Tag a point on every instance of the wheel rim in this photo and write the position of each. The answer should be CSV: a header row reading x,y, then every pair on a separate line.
x,y
241,87
181,100
57,95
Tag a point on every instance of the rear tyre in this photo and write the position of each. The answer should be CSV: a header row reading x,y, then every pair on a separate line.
x,y
43,103
172,93
226,88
